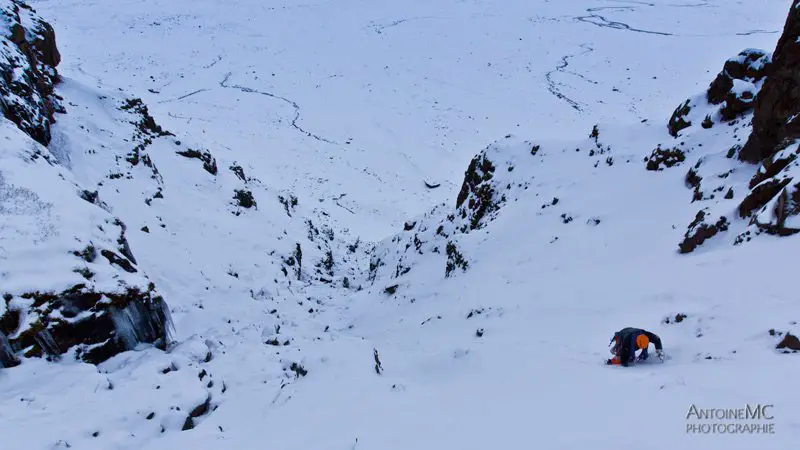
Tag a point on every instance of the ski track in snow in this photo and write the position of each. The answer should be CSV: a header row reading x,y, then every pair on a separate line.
x,y
185,96
213,63
380,28
187,118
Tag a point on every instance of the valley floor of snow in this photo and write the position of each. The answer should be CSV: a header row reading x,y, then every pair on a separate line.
x,y
351,107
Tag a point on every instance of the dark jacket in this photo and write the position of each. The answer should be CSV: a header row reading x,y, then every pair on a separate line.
x,y
625,347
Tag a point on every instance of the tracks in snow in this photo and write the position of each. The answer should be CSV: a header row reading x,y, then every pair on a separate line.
x,y
379,28
245,89
177,99
632,5
225,84
600,21
553,85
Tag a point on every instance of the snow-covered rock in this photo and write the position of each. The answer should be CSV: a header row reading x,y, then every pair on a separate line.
x,y
69,277
28,60
777,106
69,280
507,171
755,95
124,402
730,95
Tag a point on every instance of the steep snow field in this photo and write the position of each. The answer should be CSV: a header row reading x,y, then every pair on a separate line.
x,y
350,107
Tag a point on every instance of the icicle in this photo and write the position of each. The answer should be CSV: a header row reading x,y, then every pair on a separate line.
x,y
7,358
46,342
167,325
142,322
126,330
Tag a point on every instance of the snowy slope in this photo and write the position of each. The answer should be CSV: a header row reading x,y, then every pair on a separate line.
x,y
488,303
544,308
369,99
62,262
511,350
54,243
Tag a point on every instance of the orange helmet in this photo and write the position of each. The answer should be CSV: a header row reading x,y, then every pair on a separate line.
x,y
642,341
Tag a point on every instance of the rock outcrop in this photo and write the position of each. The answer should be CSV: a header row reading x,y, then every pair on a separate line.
x,y
773,202
477,197
28,60
68,278
778,104
758,94
700,230
493,178
732,93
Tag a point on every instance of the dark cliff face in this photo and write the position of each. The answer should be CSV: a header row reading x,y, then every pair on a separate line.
x,y
774,197
93,325
778,104
28,60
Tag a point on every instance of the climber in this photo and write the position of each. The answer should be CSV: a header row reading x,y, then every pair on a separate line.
x,y
628,340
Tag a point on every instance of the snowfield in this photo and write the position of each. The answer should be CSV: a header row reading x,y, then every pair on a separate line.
x,y
297,201
396,93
